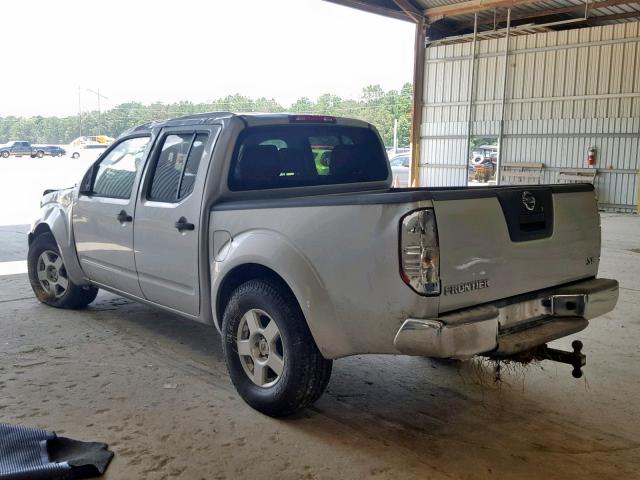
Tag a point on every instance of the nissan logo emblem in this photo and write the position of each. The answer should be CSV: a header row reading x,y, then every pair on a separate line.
x,y
528,200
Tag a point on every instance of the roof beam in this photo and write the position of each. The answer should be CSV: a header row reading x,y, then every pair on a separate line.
x,y
410,9
367,7
617,16
472,6
553,11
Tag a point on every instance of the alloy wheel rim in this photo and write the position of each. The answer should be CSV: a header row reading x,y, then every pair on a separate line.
x,y
260,348
52,274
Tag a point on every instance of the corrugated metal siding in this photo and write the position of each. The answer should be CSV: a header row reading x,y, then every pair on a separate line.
x,y
566,91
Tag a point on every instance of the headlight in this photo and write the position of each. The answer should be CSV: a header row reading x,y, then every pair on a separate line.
x,y
419,252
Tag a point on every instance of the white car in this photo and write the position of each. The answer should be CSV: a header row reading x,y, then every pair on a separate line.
x,y
400,169
91,142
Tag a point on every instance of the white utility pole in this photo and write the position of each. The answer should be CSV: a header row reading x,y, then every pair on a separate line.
x,y
80,110
395,135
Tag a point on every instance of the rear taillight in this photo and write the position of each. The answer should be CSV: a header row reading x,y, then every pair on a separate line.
x,y
419,252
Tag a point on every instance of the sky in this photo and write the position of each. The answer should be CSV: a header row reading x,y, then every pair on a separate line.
x,y
197,50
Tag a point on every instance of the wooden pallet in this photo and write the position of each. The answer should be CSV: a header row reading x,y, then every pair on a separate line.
x,y
577,175
521,173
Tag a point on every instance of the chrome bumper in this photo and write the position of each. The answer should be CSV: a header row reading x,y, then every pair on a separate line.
x,y
508,327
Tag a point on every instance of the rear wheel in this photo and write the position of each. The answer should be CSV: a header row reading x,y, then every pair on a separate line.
x,y
39,154
75,155
271,356
49,278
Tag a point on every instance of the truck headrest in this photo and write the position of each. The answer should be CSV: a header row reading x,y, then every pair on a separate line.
x,y
349,162
297,161
258,165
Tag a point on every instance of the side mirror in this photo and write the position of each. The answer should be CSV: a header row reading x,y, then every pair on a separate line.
x,y
87,180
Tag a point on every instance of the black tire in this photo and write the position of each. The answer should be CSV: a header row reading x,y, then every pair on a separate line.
x,y
306,372
74,296
39,154
5,154
75,155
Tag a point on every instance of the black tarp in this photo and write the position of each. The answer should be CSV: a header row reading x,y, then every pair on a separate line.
x,y
35,454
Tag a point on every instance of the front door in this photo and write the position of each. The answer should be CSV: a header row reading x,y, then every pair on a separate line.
x,y
167,225
104,213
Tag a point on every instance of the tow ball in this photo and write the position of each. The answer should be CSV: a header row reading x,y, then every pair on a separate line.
x,y
576,359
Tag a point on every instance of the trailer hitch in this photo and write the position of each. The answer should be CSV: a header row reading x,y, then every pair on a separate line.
x,y
577,359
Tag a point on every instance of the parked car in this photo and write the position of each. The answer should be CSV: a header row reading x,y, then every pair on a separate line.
x,y
400,168
225,219
51,150
91,142
18,148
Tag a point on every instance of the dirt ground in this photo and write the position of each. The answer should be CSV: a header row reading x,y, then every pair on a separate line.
x,y
155,388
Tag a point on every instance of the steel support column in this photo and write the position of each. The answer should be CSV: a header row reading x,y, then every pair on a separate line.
x,y
471,92
418,101
503,101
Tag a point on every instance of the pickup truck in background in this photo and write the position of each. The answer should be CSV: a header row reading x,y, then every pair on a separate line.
x,y
18,149
21,148
227,219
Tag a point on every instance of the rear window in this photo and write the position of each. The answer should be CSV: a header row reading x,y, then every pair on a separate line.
x,y
286,156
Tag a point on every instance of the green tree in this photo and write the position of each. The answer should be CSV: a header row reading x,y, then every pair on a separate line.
x,y
375,105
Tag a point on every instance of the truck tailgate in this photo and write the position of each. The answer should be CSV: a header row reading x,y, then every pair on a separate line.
x,y
515,240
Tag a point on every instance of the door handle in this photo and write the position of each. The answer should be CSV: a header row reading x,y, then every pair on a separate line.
x,y
182,224
124,217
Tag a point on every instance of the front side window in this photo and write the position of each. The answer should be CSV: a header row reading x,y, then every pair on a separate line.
x,y
117,170
286,156
177,166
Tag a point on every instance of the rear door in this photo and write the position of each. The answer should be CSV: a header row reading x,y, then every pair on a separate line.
x,y
103,216
168,222
497,243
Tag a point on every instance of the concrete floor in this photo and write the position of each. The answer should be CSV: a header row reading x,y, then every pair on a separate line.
x,y
155,388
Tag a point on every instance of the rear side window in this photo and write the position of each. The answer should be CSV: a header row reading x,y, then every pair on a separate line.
x,y
286,156
177,166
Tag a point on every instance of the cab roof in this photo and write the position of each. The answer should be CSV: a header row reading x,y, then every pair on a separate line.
x,y
250,119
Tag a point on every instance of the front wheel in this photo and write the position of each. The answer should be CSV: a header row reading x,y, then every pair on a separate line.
x,y
272,359
75,155
49,278
5,154
40,154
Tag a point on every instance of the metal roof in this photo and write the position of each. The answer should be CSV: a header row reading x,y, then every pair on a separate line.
x,y
455,17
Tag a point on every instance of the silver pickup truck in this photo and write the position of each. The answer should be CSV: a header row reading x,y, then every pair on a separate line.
x,y
229,220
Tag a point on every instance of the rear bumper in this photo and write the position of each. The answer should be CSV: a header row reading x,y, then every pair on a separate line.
x,y
510,326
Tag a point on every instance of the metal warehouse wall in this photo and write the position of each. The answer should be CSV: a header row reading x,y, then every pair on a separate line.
x,y
565,92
